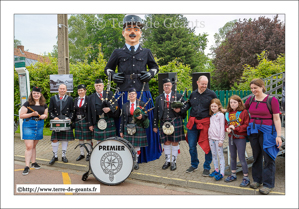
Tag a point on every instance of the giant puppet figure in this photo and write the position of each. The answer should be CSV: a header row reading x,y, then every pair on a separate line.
x,y
132,61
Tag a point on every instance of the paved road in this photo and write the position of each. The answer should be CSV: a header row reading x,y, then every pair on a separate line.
x,y
55,175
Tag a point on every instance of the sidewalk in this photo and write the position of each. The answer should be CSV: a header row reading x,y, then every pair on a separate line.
x,y
152,171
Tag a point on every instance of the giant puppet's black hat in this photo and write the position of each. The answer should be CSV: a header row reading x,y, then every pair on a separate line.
x,y
129,19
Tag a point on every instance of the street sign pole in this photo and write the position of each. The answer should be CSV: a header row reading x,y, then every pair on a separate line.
x,y
24,84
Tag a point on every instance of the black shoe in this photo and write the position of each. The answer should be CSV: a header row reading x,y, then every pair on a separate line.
x,y
64,159
173,166
35,165
206,172
136,166
52,161
166,165
26,171
80,157
191,169
87,157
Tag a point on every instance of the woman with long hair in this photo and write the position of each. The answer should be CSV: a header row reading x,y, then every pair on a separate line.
x,y
33,125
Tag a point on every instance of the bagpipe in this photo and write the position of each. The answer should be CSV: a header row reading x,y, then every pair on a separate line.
x,y
179,103
142,111
111,102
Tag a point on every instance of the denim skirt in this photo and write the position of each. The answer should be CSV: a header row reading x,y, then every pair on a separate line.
x,y
32,130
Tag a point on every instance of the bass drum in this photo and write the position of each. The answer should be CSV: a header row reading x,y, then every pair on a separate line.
x,y
111,161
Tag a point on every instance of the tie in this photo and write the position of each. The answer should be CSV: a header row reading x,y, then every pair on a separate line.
x,y
132,48
132,109
167,99
101,95
81,102
60,97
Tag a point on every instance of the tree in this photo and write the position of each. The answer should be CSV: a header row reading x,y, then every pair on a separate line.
x,y
104,29
78,37
242,45
17,43
87,31
169,37
221,35
264,69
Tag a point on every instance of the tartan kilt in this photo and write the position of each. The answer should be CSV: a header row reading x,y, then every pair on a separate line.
x,y
139,139
82,131
63,135
178,134
110,131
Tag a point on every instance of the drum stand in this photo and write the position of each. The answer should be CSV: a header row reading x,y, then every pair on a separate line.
x,y
86,174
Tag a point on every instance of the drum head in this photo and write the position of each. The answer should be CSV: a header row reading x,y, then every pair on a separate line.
x,y
111,161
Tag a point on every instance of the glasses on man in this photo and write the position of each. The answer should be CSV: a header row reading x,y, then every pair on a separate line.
x,y
135,29
167,85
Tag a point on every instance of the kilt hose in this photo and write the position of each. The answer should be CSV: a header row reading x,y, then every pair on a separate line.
x,y
110,131
139,139
63,135
82,131
178,134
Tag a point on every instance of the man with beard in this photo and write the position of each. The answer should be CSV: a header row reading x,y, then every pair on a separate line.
x,y
132,61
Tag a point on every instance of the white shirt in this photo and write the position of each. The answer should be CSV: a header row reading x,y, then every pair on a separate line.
x,y
79,100
131,105
169,96
60,96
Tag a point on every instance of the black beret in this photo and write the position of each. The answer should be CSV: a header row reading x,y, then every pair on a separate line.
x,y
166,80
99,80
35,88
132,90
81,86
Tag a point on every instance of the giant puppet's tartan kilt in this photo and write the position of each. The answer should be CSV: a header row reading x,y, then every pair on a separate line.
x,y
82,131
178,134
63,135
139,139
110,131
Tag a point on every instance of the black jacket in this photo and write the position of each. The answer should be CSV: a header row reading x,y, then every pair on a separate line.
x,y
129,63
92,113
84,108
200,103
67,107
126,113
160,107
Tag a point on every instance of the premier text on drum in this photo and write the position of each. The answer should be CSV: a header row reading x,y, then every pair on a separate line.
x,y
111,148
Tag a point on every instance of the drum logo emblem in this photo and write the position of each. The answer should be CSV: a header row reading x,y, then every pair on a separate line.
x,y
111,163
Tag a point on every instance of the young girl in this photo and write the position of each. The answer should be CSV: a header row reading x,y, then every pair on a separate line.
x,y
216,137
237,120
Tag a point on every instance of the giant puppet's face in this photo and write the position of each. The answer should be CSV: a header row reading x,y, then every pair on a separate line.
x,y
132,34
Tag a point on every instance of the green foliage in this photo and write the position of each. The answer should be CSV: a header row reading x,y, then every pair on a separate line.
x,y
242,44
17,43
264,69
169,37
86,73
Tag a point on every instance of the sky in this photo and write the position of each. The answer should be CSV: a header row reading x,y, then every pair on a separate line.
x,y
38,33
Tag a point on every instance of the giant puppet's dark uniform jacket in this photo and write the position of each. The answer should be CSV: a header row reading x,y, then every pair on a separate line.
x,y
96,105
161,111
66,110
131,64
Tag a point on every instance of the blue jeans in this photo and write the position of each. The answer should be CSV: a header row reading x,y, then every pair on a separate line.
x,y
192,141
262,172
